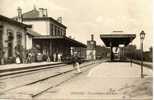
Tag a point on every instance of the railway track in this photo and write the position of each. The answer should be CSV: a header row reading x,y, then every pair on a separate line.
x,y
55,76
17,76
9,72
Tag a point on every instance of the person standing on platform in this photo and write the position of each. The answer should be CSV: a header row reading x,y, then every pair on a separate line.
x,y
59,57
48,59
76,64
29,58
54,57
18,60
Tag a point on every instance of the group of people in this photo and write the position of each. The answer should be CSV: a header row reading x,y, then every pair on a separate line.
x,y
36,57
30,56
57,57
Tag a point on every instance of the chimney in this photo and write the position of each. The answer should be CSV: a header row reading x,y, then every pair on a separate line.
x,y
59,19
118,31
19,10
43,12
46,12
34,7
92,37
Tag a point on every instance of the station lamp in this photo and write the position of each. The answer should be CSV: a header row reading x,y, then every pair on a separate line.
x,y
142,36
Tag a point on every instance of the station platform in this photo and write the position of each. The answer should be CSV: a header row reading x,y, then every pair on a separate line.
x,y
18,66
102,81
145,63
37,64
106,81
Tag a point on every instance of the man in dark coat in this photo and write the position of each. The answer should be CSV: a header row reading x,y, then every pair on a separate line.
x,y
75,61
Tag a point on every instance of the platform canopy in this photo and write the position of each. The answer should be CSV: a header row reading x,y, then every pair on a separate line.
x,y
74,42
62,39
115,40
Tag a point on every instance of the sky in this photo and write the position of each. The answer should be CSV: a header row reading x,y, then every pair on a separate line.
x,y
86,17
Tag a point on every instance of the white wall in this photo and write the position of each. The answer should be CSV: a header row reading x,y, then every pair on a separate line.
x,y
41,27
28,42
91,54
14,29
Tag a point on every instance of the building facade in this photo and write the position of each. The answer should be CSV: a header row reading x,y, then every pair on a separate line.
x,y
41,23
91,49
13,36
52,38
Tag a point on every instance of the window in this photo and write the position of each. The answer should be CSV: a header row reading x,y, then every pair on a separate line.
x,y
10,43
1,41
1,36
61,32
55,30
58,33
64,31
19,38
51,29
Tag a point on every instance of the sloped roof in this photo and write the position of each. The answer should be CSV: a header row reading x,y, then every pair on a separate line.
x,y
34,15
116,39
64,39
44,18
11,21
30,14
75,43
33,33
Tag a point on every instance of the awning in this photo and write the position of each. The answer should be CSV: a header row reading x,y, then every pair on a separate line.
x,y
63,39
116,39
74,43
33,33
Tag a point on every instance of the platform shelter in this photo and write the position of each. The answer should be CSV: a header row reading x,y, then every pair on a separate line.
x,y
115,40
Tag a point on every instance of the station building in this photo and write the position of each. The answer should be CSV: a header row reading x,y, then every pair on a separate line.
x,y
13,39
52,33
